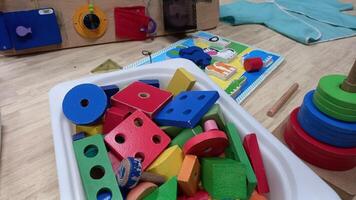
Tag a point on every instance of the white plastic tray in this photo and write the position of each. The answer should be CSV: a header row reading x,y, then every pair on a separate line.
x,y
289,178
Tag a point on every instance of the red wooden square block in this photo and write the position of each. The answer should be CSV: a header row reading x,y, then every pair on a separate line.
x,y
137,136
114,116
143,97
254,154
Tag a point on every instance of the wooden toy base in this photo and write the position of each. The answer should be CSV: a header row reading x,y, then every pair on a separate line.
x,y
207,17
342,182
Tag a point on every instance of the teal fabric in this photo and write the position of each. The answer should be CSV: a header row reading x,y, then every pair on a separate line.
x,y
305,21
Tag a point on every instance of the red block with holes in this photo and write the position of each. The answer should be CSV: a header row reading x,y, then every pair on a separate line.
x,y
137,136
143,97
114,116
254,154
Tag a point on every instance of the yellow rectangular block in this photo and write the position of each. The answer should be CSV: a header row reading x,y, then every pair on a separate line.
x,y
168,164
189,175
90,130
181,81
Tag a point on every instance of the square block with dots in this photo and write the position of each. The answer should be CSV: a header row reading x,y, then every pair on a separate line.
x,y
187,108
143,97
137,136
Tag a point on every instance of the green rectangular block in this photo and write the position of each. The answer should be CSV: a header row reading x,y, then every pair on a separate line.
x,y
237,152
171,131
95,169
185,135
224,178
216,114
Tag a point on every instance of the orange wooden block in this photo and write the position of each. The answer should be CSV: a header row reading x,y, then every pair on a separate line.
x,y
141,190
257,196
189,175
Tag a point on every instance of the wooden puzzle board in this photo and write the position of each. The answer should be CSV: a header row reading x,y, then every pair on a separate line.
x,y
207,17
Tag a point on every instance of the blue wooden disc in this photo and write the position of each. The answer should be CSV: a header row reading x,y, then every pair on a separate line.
x,y
324,128
129,172
84,104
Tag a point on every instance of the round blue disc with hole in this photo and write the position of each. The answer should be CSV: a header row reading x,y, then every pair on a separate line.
x,y
324,128
84,104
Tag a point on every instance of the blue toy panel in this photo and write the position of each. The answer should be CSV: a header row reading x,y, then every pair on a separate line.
x,y
41,23
5,42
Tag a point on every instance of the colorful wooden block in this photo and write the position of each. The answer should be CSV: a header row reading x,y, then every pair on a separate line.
x,y
253,151
152,82
185,135
239,154
171,131
223,178
137,136
141,190
221,70
196,55
84,104
207,144
78,136
235,86
110,90
189,175
90,129
95,169
182,81
114,116
143,97
225,55
168,163
187,108
253,64
129,173
216,114
167,191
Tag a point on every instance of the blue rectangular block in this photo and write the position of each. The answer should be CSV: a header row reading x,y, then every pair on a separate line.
x,y
110,90
152,82
78,136
5,41
40,25
187,108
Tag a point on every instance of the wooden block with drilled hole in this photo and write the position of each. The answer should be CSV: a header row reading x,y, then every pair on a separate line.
x,y
168,163
90,129
189,175
182,81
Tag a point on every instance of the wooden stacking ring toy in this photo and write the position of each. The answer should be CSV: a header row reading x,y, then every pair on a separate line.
x,y
315,152
207,144
334,101
140,191
324,128
84,104
90,25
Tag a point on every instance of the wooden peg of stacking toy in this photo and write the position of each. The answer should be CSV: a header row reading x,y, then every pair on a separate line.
x,y
282,100
349,84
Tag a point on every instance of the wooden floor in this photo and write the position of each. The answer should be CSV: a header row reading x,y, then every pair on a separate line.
x,y
28,169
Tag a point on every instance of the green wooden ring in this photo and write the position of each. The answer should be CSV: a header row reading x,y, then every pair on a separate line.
x,y
332,111
329,88
328,104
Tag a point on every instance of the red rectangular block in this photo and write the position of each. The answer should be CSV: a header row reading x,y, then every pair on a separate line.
x,y
114,116
137,136
143,97
254,154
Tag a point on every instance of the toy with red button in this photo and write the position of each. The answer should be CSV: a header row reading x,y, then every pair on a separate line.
x,y
146,161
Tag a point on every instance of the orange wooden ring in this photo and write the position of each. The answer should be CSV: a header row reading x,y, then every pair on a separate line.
x,y
141,190
82,30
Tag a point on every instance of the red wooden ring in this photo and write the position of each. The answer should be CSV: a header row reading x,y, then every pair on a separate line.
x,y
207,144
315,152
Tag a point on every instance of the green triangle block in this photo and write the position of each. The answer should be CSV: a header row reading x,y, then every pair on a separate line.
x,y
107,66
167,191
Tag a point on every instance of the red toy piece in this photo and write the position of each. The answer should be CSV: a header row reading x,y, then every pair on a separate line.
x,y
137,136
315,152
253,64
115,162
200,195
207,144
143,97
253,151
114,116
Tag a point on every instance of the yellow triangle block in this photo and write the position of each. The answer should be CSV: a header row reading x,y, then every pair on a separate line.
x,y
90,130
182,81
168,164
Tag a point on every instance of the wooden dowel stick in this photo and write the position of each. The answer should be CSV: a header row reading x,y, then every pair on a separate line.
x,y
349,84
281,101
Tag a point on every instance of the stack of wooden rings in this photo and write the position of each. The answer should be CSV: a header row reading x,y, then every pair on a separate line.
x,y
323,130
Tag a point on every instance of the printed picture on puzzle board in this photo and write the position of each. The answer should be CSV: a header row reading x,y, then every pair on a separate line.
x,y
226,66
